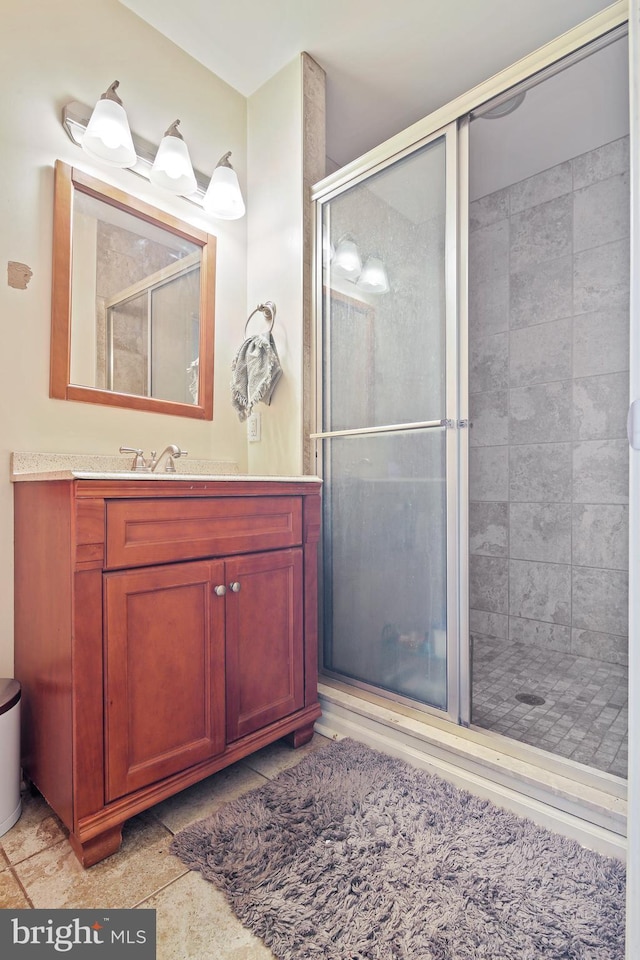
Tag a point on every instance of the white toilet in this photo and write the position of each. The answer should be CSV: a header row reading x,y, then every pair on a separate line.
x,y
10,803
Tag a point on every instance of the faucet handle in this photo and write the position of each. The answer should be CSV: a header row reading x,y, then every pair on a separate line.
x,y
138,460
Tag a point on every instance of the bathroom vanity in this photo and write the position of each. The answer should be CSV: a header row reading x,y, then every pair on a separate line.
x,y
164,628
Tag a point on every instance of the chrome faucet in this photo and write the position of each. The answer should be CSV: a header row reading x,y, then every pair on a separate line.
x,y
172,451
141,465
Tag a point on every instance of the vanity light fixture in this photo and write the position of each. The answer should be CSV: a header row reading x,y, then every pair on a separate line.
x,y
223,198
346,264
141,159
107,136
346,261
172,169
373,278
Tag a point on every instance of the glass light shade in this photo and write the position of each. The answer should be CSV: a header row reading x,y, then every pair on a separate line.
x,y
223,198
108,137
346,261
373,278
172,169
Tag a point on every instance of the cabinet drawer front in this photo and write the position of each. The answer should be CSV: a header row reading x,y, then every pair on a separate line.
x,y
141,532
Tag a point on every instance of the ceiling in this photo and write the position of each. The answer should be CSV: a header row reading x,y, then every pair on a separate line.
x,y
388,64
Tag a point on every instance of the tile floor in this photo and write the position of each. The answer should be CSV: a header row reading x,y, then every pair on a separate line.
x,y
39,869
585,713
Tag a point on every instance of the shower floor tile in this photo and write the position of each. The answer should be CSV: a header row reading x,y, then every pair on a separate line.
x,y
584,716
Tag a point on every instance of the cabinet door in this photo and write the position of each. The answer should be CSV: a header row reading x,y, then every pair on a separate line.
x,y
265,663
164,692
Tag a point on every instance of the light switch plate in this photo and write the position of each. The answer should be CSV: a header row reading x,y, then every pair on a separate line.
x,y
254,427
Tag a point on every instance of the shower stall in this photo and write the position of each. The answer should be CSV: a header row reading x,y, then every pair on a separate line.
x,y
473,385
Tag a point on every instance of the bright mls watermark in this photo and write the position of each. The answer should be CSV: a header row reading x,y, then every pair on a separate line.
x,y
105,934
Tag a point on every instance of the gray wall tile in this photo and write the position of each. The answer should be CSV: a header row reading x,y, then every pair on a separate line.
x,y
544,186
489,252
541,472
541,292
601,277
601,471
488,528
601,535
600,599
601,163
540,591
489,306
549,265
489,414
541,233
540,413
541,353
537,633
540,531
489,473
489,624
600,646
488,363
489,209
601,212
601,342
600,406
488,584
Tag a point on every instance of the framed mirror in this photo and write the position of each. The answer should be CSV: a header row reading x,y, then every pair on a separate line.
x,y
132,318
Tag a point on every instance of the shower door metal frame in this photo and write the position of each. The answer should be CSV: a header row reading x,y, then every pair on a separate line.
x,y
450,423
598,30
614,17
633,785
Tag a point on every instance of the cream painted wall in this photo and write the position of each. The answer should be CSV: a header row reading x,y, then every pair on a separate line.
x,y
275,258
71,50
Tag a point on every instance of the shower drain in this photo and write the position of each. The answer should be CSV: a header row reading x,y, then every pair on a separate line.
x,y
531,699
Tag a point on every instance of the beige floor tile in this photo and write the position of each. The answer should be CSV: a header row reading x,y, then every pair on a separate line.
x,y
11,894
204,798
279,756
194,922
37,829
54,877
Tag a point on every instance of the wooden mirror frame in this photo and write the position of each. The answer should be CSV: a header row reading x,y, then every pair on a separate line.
x,y
67,180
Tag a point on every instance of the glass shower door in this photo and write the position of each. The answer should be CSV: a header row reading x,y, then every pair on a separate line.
x,y
388,336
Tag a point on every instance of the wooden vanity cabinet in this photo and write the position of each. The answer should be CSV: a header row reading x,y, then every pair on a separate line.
x,y
164,629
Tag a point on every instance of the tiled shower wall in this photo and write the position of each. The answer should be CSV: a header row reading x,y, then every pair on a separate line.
x,y
549,361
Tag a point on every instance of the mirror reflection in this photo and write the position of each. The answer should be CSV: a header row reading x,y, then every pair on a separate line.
x,y
139,288
136,311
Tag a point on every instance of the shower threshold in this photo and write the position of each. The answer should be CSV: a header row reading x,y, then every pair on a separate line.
x,y
576,801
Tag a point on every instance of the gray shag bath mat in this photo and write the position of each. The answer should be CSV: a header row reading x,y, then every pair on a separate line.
x,y
354,855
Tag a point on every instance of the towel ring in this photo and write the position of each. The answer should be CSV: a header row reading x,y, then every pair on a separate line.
x,y
269,310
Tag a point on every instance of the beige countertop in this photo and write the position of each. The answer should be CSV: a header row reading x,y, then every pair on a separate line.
x,y
81,466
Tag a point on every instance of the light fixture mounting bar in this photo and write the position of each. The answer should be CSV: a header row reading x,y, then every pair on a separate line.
x,y
75,117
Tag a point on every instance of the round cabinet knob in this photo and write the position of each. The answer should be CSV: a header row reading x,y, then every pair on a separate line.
x,y
234,587
220,590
